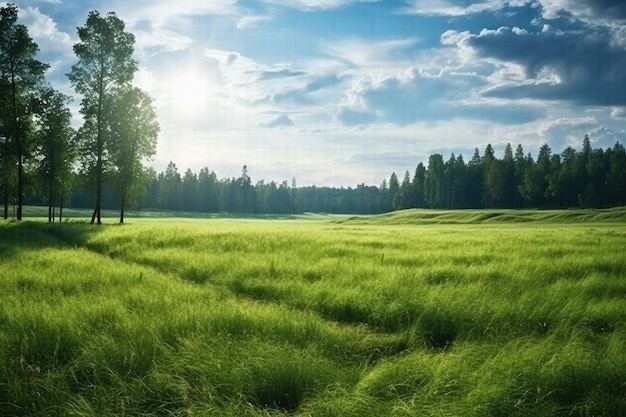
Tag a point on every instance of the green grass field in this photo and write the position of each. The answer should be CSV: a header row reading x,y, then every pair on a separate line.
x,y
414,313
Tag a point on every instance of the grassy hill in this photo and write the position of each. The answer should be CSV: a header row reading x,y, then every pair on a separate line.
x,y
421,216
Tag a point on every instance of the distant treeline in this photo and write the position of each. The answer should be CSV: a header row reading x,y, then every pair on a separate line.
x,y
586,178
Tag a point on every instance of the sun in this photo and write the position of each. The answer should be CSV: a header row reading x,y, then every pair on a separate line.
x,y
188,94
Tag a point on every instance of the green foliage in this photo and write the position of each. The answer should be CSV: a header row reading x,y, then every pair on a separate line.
x,y
134,132
104,70
20,76
318,317
56,146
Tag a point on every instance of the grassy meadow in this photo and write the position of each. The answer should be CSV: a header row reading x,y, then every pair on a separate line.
x,y
413,313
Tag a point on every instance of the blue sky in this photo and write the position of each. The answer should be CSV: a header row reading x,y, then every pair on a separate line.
x,y
341,92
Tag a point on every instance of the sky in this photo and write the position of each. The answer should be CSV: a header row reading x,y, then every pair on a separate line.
x,y
344,92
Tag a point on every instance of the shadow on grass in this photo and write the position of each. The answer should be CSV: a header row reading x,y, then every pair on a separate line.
x,y
20,237
73,214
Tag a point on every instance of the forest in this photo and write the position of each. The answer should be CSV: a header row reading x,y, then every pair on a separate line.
x,y
42,157
103,163
590,178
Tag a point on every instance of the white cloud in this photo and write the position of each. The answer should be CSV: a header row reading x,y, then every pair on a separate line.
x,y
552,8
369,64
449,8
160,39
433,8
44,31
160,25
592,11
279,86
161,11
238,74
38,1
605,137
453,37
545,65
619,35
365,53
249,22
618,112
567,131
568,122
608,13
310,5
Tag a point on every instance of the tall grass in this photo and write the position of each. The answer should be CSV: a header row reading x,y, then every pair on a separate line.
x,y
313,317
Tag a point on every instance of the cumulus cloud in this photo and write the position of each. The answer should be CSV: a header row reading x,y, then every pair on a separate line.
x,y
582,67
566,131
605,137
587,10
608,13
432,99
44,31
618,112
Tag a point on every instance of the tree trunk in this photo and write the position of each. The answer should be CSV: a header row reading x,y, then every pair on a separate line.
x,y
51,200
50,205
96,212
51,187
18,146
61,202
99,147
20,186
6,197
122,207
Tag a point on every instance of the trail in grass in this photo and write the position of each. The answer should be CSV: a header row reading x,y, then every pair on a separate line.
x,y
375,345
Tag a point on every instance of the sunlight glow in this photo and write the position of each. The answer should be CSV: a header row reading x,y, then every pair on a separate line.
x,y
188,94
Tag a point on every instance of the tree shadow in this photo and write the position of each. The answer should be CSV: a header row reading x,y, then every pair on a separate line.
x,y
20,237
